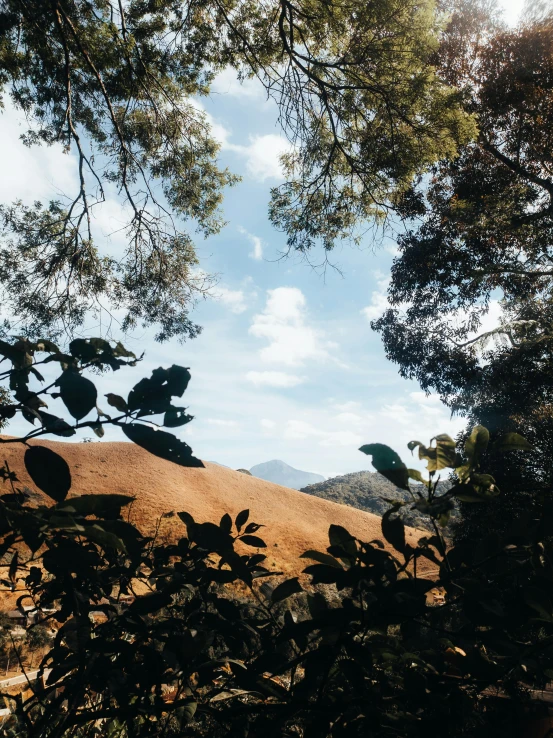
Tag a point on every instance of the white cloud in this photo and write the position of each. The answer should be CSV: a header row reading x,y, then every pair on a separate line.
x,y
351,418
345,407
267,424
256,242
298,430
32,173
262,153
235,300
379,301
227,83
222,423
263,156
274,379
283,322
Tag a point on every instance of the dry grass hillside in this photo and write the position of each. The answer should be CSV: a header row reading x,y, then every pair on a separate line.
x,y
294,521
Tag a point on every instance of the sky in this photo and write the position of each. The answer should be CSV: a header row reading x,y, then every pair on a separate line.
x,y
287,366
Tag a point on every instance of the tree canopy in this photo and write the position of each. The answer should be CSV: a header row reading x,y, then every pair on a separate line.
x,y
120,85
483,229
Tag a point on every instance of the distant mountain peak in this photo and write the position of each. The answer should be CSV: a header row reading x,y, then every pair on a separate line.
x,y
279,472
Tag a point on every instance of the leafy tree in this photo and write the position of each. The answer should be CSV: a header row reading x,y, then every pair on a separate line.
x,y
486,226
482,232
118,83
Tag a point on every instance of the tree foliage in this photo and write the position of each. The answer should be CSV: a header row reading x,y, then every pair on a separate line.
x,y
486,224
119,83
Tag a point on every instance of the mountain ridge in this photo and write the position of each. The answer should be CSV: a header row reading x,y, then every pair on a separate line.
x,y
364,490
279,472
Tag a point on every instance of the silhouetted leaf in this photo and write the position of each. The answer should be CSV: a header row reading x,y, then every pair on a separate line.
x,y
83,349
338,535
226,523
241,519
175,417
393,530
253,527
387,462
48,471
55,425
101,505
253,541
117,402
286,589
7,411
78,393
162,444
322,558
103,538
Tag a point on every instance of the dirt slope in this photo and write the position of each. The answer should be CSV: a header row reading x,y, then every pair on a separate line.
x,y
295,521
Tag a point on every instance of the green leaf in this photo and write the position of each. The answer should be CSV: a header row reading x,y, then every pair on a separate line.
x,y
417,476
440,456
476,443
386,461
79,394
512,442
286,589
49,471
162,444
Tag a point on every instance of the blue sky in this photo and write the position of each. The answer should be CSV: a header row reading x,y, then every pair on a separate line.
x,y
287,365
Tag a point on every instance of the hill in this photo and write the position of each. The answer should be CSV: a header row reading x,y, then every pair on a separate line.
x,y
294,521
279,472
364,490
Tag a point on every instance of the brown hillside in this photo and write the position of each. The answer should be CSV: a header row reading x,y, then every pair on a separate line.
x,y
295,521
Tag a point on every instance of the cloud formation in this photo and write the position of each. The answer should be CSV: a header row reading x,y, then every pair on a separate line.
x,y
284,323
234,300
274,379
257,243
379,301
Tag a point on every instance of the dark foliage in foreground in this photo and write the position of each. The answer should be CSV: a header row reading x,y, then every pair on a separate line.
x,y
188,654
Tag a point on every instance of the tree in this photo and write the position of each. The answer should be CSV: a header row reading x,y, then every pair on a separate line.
x,y
485,233
118,83
484,236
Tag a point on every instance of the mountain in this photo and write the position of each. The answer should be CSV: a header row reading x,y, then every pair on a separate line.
x,y
294,522
280,473
364,490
